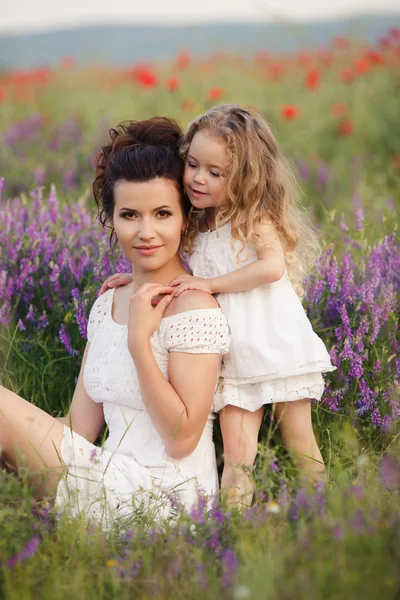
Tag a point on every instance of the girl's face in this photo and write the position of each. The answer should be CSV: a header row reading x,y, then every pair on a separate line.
x,y
148,221
205,167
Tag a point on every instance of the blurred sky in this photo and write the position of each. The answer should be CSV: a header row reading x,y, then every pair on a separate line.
x,y
30,15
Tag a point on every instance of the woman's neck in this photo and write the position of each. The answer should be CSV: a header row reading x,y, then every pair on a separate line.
x,y
161,276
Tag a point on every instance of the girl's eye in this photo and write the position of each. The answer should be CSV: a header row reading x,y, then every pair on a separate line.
x,y
164,213
191,165
214,174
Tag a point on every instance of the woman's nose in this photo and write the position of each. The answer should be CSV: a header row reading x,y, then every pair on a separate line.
x,y
146,230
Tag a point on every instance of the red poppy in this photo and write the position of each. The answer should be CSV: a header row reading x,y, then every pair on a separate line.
x,y
290,111
346,75
341,42
375,57
345,128
339,109
188,105
215,93
68,62
2,95
326,57
145,77
361,66
394,32
312,79
275,71
183,59
395,161
304,58
384,42
173,84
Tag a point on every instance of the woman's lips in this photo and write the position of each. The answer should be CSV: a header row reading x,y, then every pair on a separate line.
x,y
147,250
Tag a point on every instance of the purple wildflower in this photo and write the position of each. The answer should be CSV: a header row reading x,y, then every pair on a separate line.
x,y
229,567
27,552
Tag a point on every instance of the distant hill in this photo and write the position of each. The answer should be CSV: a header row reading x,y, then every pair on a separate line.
x,y
121,45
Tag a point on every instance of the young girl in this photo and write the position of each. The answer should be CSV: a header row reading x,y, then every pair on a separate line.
x,y
250,243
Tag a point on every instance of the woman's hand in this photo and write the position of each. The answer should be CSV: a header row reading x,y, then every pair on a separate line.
x,y
144,318
189,282
115,281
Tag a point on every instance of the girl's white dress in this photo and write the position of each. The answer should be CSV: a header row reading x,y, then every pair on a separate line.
x,y
275,355
132,471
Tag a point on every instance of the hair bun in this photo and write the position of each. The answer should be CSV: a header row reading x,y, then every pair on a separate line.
x,y
157,131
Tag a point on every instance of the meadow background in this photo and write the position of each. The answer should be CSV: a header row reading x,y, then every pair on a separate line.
x,y
336,111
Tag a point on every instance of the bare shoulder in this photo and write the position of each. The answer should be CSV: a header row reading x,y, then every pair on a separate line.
x,y
191,300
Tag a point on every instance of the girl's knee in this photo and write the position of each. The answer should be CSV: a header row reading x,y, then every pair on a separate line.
x,y
240,430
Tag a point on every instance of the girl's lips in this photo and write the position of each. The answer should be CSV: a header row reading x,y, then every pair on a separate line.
x,y
197,194
148,251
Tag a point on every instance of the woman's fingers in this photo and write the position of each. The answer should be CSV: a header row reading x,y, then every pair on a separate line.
x,y
154,289
163,303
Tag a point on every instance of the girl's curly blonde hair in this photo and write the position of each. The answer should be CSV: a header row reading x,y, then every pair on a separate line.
x,y
259,185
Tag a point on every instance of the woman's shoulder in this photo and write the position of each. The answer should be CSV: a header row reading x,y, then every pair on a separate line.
x,y
195,324
191,300
101,306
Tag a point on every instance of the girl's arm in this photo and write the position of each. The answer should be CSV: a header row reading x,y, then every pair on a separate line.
x,y
178,407
269,267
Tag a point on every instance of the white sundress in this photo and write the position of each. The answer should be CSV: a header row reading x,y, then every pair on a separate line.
x,y
132,471
275,355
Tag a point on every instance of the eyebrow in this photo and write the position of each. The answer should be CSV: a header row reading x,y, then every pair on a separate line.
x,y
154,210
190,156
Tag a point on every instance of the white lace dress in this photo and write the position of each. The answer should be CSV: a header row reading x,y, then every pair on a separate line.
x,y
132,471
275,355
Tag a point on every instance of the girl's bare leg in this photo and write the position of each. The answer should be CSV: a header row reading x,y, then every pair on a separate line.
x,y
31,438
295,423
240,429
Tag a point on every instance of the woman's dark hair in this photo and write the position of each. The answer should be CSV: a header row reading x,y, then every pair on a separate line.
x,y
138,151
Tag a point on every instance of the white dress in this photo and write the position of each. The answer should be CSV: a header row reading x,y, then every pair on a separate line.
x,y
132,471
275,355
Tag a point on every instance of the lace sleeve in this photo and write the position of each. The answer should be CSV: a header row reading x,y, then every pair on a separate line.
x,y
202,331
98,312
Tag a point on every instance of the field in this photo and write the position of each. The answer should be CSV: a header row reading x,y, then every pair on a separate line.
x,y
336,112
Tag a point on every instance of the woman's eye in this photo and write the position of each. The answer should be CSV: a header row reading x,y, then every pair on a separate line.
x,y
128,215
164,213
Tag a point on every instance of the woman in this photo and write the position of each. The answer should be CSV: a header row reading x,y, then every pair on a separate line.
x,y
149,369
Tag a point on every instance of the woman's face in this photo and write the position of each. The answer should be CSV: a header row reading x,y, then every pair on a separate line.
x,y
148,221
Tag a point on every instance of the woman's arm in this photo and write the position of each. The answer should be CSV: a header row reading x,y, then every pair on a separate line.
x,y
84,417
269,267
178,408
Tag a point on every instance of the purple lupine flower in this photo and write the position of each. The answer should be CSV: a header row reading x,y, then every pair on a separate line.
x,y
202,578
342,224
323,174
338,533
27,552
2,186
390,471
66,340
303,169
229,567
359,219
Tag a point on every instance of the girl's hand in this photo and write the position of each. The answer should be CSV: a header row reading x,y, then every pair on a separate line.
x,y
144,318
189,282
115,281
